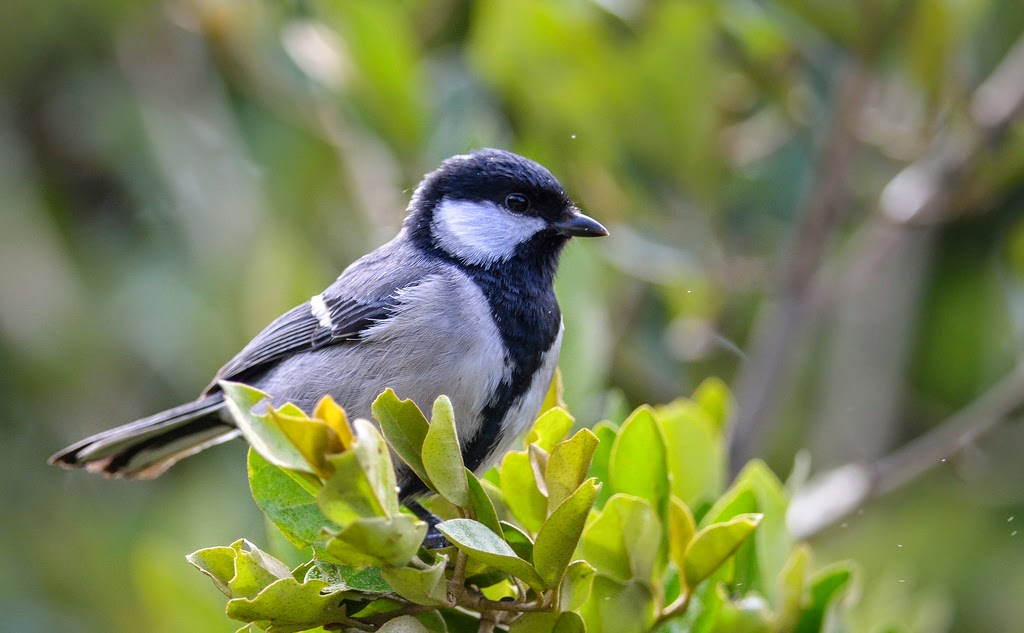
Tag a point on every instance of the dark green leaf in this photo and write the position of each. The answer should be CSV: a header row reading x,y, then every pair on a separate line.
x,y
288,498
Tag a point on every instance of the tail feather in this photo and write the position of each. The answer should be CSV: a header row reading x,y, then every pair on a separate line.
x,y
147,447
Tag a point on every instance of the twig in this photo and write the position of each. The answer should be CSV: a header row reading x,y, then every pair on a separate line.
x,y
677,608
830,497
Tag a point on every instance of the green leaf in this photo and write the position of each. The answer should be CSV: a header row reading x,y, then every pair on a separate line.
x,y
561,532
262,432
827,586
713,397
483,509
681,528
239,570
522,495
617,607
625,540
548,622
696,452
377,542
518,540
442,456
606,433
480,543
364,579
348,495
289,500
576,584
567,466
375,460
714,544
791,588
288,605
313,439
637,466
405,428
550,428
422,586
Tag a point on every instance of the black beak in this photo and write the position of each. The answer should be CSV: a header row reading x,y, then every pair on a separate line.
x,y
579,225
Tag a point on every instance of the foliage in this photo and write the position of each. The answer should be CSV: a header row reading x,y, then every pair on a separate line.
x,y
582,532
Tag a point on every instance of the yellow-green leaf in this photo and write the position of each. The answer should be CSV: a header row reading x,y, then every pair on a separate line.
x,y
405,428
422,586
550,428
638,466
567,466
377,542
714,544
681,528
561,532
442,455
522,496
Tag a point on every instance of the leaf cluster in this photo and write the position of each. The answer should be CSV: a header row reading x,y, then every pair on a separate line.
x,y
623,528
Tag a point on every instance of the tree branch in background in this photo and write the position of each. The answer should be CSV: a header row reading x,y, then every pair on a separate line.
x,y
934,190
757,385
836,494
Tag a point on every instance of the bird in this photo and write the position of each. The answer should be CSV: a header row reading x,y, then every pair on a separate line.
x,y
461,303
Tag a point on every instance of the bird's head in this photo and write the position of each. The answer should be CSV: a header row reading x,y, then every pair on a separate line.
x,y
486,207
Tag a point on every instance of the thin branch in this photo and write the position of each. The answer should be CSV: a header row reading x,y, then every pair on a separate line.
x,y
834,495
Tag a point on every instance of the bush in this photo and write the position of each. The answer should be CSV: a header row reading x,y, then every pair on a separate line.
x,y
623,528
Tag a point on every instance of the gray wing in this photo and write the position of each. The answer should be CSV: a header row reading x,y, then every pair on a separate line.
x,y
366,292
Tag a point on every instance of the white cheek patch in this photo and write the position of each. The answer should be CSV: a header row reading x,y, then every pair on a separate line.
x,y
481,233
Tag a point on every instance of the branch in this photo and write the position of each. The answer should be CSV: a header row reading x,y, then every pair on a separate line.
x,y
834,495
757,385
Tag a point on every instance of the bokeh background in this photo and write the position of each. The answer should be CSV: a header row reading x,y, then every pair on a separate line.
x,y
820,202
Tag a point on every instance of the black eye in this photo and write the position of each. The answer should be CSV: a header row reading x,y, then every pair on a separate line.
x,y
517,203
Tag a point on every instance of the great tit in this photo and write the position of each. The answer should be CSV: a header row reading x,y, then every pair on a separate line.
x,y
459,303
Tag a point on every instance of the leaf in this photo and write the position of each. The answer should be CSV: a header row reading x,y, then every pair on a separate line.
x,y
576,585
288,605
330,413
480,543
553,398
519,487
289,499
405,428
377,542
442,456
625,540
348,495
518,540
548,622
714,398
262,433
617,607
606,433
696,452
483,509
239,570
714,544
827,586
313,439
791,588
637,466
681,528
364,579
567,466
375,460
561,532
422,586
550,428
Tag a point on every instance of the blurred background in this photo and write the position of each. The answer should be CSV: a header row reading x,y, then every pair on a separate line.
x,y
819,202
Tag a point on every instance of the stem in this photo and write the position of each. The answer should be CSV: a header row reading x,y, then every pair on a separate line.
x,y
677,608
